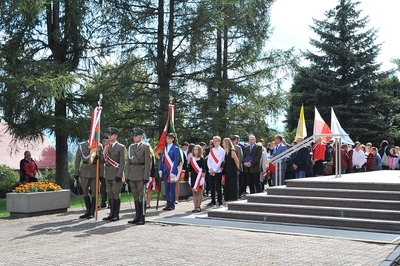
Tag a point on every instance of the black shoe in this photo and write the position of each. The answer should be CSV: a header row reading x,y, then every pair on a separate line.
x,y
211,204
142,214
91,214
111,215
117,205
137,213
87,205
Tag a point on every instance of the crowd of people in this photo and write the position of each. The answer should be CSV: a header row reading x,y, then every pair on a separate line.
x,y
225,169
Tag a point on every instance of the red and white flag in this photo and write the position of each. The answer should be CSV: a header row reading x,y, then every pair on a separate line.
x,y
95,128
320,127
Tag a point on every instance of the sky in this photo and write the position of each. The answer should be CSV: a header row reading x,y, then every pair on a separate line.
x,y
291,20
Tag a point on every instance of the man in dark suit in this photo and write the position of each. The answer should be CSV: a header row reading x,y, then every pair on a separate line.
x,y
300,160
168,169
279,148
114,156
139,158
251,158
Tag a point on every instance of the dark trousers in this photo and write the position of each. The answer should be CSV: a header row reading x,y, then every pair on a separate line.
x,y
253,180
215,184
231,188
207,183
242,183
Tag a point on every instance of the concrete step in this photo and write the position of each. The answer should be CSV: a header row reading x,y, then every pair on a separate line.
x,y
334,193
348,184
331,202
325,221
315,210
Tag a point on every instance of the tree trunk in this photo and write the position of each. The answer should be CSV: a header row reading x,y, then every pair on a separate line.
x,y
161,70
62,176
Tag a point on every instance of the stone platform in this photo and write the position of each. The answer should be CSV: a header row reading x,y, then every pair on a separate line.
x,y
363,201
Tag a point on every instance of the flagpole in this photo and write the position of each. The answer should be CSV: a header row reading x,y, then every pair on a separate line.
x,y
96,206
162,161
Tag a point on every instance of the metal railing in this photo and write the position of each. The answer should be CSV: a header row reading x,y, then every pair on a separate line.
x,y
281,158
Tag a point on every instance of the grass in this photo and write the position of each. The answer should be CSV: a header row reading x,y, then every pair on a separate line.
x,y
76,202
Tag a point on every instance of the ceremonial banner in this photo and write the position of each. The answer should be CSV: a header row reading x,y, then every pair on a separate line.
x,y
301,131
337,129
320,127
169,128
95,130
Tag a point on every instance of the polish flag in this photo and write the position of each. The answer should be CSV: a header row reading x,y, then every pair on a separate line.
x,y
320,127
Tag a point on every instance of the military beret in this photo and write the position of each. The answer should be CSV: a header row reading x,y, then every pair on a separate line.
x,y
137,131
232,137
112,130
105,137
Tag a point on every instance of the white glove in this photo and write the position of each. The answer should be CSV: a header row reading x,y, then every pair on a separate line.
x,y
126,187
75,183
190,181
160,173
173,177
202,181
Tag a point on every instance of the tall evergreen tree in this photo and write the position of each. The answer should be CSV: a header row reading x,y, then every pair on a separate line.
x,y
235,68
343,74
44,43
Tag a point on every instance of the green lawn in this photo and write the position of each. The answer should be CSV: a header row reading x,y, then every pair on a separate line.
x,y
76,202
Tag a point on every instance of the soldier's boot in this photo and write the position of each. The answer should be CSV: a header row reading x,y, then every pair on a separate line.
x,y
103,200
137,213
87,205
111,211
142,214
92,206
117,205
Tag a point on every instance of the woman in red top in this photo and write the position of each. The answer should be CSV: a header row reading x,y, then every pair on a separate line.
x,y
28,169
318,157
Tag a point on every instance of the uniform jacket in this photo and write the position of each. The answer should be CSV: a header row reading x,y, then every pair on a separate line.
x,y
118,154
85,169
140,162
173,153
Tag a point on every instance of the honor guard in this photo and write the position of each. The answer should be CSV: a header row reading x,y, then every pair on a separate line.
x,y
114,156
87,172
103,191
139,157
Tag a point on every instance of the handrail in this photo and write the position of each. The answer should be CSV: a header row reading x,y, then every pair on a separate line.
x,y
277,161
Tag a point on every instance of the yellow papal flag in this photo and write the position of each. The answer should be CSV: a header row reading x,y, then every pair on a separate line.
x,y
301,131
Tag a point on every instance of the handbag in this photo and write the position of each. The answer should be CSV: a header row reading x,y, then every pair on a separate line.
x,y
385,159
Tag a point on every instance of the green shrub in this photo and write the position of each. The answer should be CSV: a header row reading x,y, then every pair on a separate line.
x,y
9,179
47,175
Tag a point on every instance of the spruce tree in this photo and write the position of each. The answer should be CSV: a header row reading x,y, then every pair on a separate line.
x,y
343,73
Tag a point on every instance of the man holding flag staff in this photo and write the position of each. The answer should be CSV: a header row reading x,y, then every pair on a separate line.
x,y
114,156
139,158
168,169
87,172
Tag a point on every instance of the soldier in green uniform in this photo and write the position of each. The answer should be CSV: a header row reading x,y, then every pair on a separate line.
x,y
103,191
87,172
139,157
114,156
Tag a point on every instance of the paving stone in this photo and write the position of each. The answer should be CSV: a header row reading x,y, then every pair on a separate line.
x,y
63,239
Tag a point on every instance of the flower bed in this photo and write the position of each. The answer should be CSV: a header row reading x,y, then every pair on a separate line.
x,y
37,198
37,187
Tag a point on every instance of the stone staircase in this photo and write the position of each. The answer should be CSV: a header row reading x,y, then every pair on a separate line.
x,y
335,203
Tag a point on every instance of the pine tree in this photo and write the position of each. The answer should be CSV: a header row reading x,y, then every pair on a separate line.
x,y
343,74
